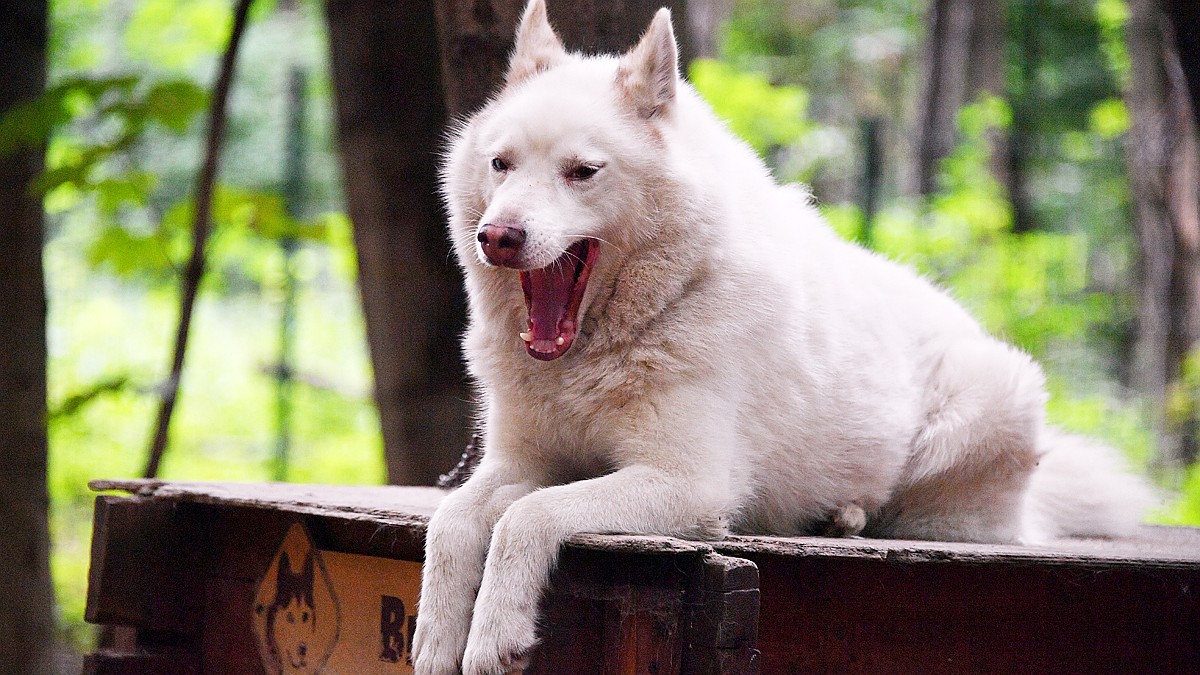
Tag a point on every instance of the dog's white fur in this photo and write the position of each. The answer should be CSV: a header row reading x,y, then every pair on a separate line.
x,y
738,366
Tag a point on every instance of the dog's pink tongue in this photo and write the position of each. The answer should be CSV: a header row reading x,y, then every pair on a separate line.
x,y
548,293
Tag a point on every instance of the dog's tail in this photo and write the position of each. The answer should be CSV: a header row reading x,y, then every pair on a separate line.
x,y
1083,489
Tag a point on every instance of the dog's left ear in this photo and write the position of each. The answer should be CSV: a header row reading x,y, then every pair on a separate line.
x,y
649,73
537,48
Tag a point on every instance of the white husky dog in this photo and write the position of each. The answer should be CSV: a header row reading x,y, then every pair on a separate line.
x,y
669,342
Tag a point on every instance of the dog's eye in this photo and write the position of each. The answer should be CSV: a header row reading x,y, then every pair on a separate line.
x,y
582,172
499,165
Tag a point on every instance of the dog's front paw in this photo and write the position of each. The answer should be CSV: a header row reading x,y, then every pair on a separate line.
x,y
489,664
435,652
500,643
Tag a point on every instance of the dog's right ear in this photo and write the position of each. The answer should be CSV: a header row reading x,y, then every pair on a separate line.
x,y
537,47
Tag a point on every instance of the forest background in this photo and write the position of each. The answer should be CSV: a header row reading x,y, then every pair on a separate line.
x,y
1036,157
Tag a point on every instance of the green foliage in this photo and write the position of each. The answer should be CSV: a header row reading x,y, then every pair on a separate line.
x,y
1186,511
772,119
175,34
763,115
1075,181
117,112
1183,396
1031,288
1101,413
1109,118
1111,16
122,153
105,330
852,58
247,228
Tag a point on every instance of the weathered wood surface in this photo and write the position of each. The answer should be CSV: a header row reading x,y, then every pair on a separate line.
x,y
134,546
112,662
180,562
390,502
863,615
387,504
1153,546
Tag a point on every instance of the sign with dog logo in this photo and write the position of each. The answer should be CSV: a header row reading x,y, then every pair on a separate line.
x,y
296,613
328,612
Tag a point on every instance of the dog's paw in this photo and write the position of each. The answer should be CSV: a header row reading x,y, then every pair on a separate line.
x,y
432,665
489,664
435,652
477,663
847,521
500,643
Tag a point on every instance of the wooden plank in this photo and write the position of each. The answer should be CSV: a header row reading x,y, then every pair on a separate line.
x,y
143,572
645,623
1151,546
616,612
243,540
388,503
864,615
228,644
722,622
112,662
726,615
379,539
403,506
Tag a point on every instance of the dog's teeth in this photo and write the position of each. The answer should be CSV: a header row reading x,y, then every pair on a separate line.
x,y
560,341
526,337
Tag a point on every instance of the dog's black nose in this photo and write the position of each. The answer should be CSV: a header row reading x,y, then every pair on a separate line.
x,y
501,242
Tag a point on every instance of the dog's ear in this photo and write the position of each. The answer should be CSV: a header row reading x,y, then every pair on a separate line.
x,y
537,47
649,73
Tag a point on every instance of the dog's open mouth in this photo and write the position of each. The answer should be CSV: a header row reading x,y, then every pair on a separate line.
x,y
552,296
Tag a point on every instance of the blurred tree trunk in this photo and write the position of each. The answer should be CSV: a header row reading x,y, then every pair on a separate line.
x,y
964,57
390,118
1025,95
1162,162
476,37
705,18
27,605
1185,20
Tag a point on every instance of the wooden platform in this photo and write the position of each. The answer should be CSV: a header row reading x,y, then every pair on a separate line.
x,y
186,569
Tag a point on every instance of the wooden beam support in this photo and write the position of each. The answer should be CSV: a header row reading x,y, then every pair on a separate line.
x,y
145,568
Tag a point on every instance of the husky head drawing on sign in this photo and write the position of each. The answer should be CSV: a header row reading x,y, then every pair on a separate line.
x,y
292,617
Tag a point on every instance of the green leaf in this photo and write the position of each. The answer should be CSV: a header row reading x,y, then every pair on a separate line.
x,y
174,103
1109,118
131,255
132,188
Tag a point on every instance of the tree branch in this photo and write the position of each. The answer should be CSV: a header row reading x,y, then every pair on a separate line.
x,y
200,228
